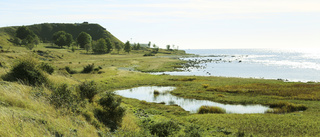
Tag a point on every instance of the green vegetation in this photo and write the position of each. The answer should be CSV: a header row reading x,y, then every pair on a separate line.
x,y
285,107
156,92
43,93
127,47
111,112
100,46
88,89
61,38
27,71
211,109
89,68
84,40
46,67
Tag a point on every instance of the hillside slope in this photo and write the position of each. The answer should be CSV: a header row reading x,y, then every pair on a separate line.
x,y
46,30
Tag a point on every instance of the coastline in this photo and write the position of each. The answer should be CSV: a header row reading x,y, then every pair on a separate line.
x,y
251,63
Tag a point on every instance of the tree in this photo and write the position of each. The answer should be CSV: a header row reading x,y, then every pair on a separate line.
x,y
69,40
109,45
111,113
100,46
134,47
127,47
138,46
88,89
154,46
118,46
149,44
87,47
23,32
24,36
61,38
168,47
84,39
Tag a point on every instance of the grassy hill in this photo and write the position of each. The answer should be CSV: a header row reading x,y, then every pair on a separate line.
x,y
46,30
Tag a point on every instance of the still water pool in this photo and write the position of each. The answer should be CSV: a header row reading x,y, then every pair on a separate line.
x,y
191,105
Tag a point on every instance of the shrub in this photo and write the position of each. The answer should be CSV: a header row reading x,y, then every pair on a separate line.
x,y
211,109
46,67
62,96
88,89
87,69
111,112
162,127
69,70
28,72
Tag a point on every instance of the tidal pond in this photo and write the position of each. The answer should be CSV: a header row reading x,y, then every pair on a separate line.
x,y
192,105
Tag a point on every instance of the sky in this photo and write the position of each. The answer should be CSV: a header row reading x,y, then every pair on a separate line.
x,y
187,24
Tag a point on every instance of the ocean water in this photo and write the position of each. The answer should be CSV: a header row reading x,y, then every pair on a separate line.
x,y
286,64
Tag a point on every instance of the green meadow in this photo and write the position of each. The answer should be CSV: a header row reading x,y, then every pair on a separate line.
x,y
35,110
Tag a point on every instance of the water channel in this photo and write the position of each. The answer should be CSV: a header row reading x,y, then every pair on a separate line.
x,y
191,105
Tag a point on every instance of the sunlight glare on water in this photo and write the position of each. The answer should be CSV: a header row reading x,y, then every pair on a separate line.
x,y
294,64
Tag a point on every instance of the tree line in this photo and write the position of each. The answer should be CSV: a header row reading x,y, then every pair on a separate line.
x,y
26,37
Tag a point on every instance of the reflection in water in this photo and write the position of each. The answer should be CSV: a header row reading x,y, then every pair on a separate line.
x,y
192,105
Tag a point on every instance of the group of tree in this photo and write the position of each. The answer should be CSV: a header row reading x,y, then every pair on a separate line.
x,y
136,46
84,41
26,37
61,38
102,46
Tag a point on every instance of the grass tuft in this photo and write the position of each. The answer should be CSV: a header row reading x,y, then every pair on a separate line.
x,y
205,85
156,92
211,109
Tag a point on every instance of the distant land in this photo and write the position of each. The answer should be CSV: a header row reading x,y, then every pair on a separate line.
x,y
45,31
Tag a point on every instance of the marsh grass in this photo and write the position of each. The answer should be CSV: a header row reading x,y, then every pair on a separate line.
x,y
156,92
211,109
184,79
285,107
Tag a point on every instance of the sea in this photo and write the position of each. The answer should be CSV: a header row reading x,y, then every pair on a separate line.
x,y
299,65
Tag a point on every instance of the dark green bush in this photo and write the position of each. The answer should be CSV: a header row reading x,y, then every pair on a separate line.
x,y
69,70
28,72
161,128
87,69
62,97
88,89
111,112
46,67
